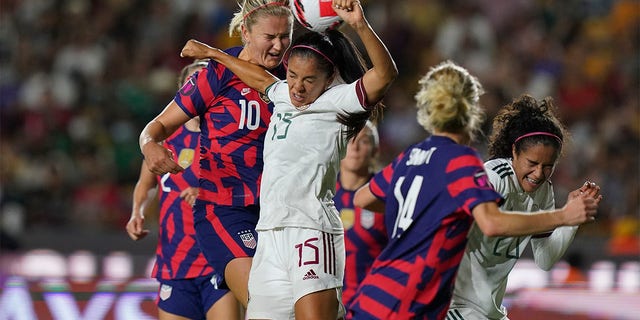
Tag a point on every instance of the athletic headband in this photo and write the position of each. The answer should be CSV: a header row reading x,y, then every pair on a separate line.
x,y
260,7
313,49
538,133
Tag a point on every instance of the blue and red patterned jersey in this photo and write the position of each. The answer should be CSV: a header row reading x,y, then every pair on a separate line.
x,y
364,236
177,255
429,192
233,126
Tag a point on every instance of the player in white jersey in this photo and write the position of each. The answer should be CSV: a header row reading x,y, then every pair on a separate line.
x,y
298,268
525,145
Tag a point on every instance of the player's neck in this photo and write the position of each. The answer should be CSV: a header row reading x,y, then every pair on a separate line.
x,y
351,180
459,138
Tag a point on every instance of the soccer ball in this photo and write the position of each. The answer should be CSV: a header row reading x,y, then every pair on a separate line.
x,y
315,15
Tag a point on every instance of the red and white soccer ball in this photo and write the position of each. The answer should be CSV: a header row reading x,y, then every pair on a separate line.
x,y
316,15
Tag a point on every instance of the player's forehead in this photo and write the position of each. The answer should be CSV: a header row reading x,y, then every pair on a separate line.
x,y
270,25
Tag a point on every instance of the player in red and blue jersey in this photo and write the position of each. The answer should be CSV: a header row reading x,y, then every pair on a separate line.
x,y
364,231
188,285
234,120
431,194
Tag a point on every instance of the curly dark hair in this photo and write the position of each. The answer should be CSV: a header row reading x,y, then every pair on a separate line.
x,y
521,117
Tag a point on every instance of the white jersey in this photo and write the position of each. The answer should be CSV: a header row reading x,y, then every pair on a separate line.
x,y
482,277
302,153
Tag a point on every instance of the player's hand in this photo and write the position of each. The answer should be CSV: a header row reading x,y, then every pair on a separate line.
x,y
589,190
135,227
579,210
349,10
159,159
189,195
197,50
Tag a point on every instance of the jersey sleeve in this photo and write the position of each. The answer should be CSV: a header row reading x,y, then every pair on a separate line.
x,y
498,182
468,182
349,98
354,100
379,183
547,251
201,88
278,91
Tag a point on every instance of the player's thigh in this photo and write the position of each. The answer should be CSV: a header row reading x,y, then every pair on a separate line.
x,y
164,315
270,292
316,267
318,305
226,308
188,298
237,277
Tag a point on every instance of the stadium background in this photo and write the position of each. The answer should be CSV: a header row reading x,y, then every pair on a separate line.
x,y
79,79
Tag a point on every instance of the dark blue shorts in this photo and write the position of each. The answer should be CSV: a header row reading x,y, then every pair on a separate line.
x,y
225,233
189,298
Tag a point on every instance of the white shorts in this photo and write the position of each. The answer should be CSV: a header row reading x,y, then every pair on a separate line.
x,y
467,314
290,263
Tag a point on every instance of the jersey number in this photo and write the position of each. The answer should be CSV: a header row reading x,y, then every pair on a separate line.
x,y
280,131
311,250
249,114
164,179
508,249
406,205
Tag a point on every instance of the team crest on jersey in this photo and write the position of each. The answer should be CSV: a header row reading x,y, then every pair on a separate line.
x,y
348,218
165,292
481,180
248,239
367,218
185,158
189,87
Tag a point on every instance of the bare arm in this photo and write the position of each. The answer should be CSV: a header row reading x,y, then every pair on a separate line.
x,y
253,75
494,222
364,198
141,199
159,159
376,80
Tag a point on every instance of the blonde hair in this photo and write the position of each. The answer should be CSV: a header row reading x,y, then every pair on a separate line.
x,y
251,10
447,100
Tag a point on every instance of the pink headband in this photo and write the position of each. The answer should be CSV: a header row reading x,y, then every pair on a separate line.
x,y
313,49
538,133
260,7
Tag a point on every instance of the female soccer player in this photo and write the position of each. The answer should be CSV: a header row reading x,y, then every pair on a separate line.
x,y
234,121
186,289
364,231
432,192
299,263
525,145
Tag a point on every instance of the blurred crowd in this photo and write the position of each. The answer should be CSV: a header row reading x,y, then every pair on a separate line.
x,y
80,78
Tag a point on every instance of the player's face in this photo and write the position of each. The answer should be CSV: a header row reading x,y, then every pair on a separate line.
x,y
534,165
360,153
306,81
268,40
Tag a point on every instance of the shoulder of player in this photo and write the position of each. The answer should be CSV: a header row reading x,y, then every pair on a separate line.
x,y
499,167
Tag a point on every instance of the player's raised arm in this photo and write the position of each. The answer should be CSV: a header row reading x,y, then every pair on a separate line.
x,y
252,74
379,77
